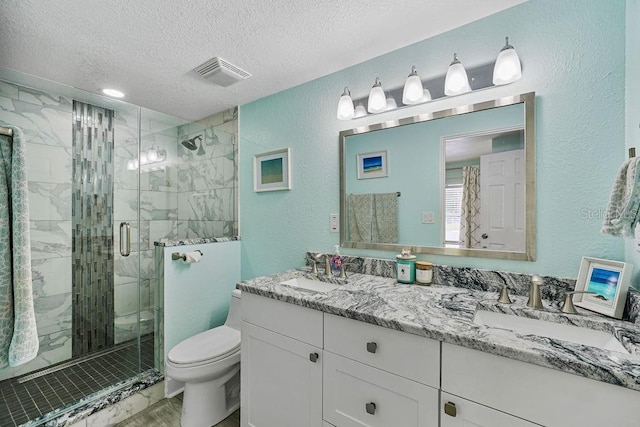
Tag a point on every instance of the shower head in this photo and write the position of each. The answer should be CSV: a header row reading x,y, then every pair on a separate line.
x,y
191,143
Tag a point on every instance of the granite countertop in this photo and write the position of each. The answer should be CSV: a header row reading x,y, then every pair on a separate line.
x,y
445,313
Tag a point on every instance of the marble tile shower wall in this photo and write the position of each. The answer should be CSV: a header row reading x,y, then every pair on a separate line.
x,y
45,119
207,178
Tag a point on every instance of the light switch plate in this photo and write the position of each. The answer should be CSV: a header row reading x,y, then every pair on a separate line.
x,y
334,223
427,218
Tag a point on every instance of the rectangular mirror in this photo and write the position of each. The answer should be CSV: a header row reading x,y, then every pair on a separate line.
x,y
453,182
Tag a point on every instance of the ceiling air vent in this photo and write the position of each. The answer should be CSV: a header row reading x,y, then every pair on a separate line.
x,y
221,72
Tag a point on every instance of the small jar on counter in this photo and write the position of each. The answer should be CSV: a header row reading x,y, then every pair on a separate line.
x,y
424,272
406,266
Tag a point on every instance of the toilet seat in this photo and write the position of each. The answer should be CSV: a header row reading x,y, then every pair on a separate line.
x,y
206,347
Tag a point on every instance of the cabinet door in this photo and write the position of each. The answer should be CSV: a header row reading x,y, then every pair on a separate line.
x,y
357,395
458,412
281,380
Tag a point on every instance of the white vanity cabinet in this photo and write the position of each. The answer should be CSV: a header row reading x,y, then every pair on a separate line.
x,y
281,364
541,395
378,377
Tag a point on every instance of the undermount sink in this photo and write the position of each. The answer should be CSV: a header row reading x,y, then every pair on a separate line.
x,y
312,285
570,333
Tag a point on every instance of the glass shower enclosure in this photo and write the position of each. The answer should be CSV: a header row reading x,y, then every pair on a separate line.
x,y
88,157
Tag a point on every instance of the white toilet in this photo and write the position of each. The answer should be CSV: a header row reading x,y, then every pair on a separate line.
x,y
209,365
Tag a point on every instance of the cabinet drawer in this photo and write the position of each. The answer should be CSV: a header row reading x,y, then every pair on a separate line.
x,y
355,394
413,357
294,321
464,413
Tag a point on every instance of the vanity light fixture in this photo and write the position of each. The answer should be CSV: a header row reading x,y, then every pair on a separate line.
x,y
345,106
413,92
114,93
151,156
507,68
456,82
377,101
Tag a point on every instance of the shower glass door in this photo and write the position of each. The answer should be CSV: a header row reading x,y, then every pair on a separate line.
x,y
82,155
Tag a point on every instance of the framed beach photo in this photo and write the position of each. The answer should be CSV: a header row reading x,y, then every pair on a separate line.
x,y
272,171
372,165
609,283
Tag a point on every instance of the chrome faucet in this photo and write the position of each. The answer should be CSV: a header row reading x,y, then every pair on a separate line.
x,y
535,300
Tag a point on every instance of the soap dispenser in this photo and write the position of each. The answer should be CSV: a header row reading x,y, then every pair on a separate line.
x,y
336,259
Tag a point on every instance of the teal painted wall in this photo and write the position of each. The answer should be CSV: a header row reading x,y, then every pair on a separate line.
x,y
573,56
633,110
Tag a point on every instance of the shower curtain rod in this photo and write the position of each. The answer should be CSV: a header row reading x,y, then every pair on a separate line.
x,y
6,131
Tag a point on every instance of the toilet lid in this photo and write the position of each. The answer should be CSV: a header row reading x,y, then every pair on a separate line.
x,y
207,346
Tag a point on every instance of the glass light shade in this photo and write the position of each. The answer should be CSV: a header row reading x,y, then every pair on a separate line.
x,y
360,111
152,155
131,165
507,68
136,164
143,158
162,155
377,101
413,91
456,81
391,103
426,95
345,106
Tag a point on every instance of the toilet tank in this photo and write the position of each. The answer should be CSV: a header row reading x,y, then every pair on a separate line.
x,y
234,317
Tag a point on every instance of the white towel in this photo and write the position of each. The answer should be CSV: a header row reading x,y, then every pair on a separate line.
x,y
622,214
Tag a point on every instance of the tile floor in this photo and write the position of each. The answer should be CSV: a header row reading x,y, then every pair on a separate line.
x,y
166,413
23,399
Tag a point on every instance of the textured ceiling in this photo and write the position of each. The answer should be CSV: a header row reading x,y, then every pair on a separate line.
x,y
147,48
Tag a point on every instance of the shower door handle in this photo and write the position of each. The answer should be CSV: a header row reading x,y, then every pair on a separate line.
x,y
125,239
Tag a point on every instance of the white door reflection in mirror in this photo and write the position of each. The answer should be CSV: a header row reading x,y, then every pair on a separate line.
x,y
484,198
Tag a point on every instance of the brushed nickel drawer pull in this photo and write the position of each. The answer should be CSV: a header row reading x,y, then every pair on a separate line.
x,y
372,347
313,357
450,409
371,408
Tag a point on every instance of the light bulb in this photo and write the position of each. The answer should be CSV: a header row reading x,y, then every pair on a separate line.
x,y
413,91
507,68
345,106
377,101
456,82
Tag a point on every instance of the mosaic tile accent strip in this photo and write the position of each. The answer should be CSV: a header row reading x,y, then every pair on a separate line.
x,y
92,211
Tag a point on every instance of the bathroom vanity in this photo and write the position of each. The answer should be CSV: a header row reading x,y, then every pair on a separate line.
x,y
372,352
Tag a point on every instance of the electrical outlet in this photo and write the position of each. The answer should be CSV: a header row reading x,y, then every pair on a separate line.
x,y
334,223
427,218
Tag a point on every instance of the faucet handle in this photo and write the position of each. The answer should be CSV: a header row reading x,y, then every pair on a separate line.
x,y
568,306
343,270
504,295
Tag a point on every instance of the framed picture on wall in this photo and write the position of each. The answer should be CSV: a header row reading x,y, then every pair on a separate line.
x,y
272,171
607,284
372,165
